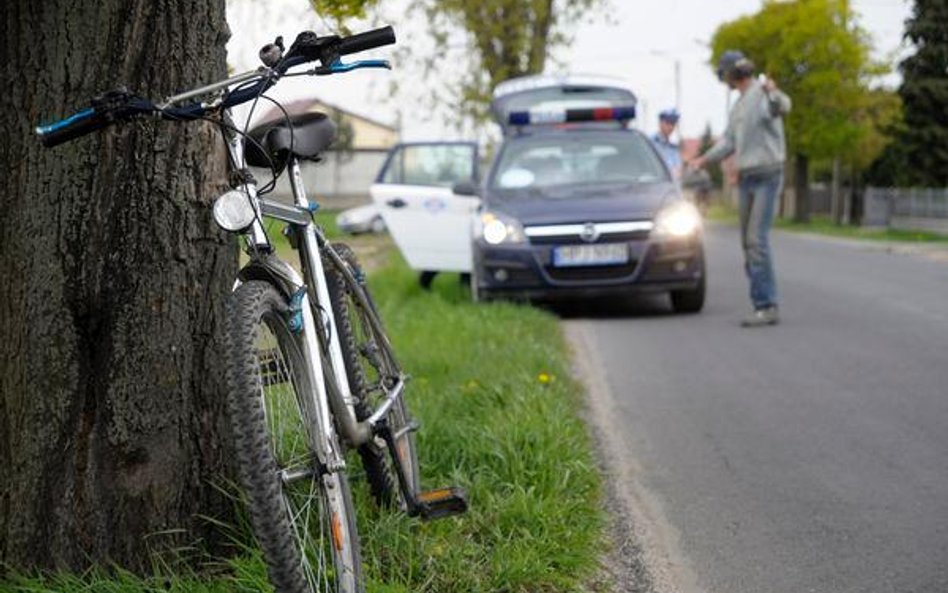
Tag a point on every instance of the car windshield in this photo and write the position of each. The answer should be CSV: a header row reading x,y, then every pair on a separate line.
x,y
545,165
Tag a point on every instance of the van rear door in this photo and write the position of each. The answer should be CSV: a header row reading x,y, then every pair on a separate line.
x,y
430,223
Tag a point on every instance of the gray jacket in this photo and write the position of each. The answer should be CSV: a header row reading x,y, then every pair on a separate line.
x,y
755,131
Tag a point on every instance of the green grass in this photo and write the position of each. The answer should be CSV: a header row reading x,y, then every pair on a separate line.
x,y
822,225
498,414
324,218
499,417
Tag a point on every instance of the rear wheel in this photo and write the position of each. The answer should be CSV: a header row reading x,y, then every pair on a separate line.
x,y
302,514
372,370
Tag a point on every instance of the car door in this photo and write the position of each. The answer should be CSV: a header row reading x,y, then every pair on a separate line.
x,y
430,223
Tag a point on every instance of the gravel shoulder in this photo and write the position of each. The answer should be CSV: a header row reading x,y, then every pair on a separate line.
x,y
644,556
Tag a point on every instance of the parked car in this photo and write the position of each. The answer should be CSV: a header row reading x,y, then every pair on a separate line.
x,y
431,224
578,204
361,219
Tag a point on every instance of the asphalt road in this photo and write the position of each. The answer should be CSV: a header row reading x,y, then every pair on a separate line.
x,y
812,456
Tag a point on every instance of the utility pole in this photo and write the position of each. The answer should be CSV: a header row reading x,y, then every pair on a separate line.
x,y
677,65
678,85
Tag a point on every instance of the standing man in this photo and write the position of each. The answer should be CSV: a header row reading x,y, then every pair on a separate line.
x,y
667,120
755,133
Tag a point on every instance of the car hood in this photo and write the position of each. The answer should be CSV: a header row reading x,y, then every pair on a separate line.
x,y
359,213
639,202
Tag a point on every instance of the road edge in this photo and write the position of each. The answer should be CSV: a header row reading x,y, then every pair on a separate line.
x,y
644,556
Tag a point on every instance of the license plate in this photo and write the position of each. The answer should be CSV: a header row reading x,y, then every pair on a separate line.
x,y
604,254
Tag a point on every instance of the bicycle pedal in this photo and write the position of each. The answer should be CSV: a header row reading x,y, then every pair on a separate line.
x,y
443,502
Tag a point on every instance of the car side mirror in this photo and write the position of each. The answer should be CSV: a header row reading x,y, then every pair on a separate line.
x,y
466,187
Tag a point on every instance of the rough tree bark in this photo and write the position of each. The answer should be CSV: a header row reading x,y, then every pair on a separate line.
x,y
111,281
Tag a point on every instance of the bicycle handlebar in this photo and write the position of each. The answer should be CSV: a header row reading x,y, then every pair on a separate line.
x,y
308,47
365,41
78,124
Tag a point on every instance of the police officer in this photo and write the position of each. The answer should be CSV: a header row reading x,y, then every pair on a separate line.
x,y
667,120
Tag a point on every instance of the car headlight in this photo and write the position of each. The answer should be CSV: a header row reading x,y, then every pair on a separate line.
x,y
679,219
497,229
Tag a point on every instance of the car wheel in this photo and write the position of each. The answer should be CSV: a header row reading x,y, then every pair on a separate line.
x,y
689,301
378,225
476,294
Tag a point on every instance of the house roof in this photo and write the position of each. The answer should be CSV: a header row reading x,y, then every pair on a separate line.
x,y
306,105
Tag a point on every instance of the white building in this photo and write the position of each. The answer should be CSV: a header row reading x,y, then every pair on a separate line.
x,y
342,178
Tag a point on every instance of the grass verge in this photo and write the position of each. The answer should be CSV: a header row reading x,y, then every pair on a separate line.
x,y
498,411
498,408
822,225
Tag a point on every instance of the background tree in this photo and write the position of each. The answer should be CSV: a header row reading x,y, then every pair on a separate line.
x,y
820,57
507,38
339,11
924,92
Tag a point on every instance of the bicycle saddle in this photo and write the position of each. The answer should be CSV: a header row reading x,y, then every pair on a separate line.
x,y
306,134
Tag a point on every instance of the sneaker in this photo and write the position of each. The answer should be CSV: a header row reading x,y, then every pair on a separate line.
x,y
762,317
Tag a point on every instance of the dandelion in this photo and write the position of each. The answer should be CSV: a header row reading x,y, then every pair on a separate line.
x,y
545,378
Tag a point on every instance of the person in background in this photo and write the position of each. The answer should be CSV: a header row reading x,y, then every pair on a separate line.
x,y
755,134
667,120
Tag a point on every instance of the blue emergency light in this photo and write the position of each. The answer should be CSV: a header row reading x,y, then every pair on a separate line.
x,y
528,118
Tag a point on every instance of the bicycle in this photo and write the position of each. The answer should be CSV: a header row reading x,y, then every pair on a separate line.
x,y
310,372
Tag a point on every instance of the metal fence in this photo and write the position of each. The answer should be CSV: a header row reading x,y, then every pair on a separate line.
x,y
907,208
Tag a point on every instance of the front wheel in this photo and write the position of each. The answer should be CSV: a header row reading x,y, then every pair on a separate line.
x,y
301,513
477,295
690,301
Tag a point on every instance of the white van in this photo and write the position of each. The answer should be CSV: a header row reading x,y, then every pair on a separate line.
x,y
414,192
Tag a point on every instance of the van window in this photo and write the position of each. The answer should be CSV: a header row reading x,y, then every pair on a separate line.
x,y
440,165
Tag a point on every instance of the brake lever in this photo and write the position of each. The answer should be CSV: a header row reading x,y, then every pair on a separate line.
x,y
338,66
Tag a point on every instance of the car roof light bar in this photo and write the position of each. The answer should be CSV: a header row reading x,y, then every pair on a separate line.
x,y
528,118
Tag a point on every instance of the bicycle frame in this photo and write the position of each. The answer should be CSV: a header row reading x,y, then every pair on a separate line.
x,y
333,397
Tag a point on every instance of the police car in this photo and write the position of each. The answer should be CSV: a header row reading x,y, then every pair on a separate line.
x,y
577,203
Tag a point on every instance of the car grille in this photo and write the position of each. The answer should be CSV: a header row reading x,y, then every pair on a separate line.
x,y
579,274
576,239
569,234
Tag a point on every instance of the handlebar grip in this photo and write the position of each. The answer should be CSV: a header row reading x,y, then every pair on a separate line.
x,y
367,40
78,125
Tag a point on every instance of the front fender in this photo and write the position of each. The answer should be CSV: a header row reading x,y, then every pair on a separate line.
x,y
270,268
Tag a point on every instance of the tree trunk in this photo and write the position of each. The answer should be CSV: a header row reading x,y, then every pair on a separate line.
x,y
836,195
539,40
787,197
801,188
112,277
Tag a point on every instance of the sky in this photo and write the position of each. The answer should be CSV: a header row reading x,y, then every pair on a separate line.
x,y
637,40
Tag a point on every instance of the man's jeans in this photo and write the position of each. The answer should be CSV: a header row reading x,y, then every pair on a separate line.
x,y
757,200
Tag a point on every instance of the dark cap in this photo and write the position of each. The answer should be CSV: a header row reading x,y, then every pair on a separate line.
x,y
734,65
669,115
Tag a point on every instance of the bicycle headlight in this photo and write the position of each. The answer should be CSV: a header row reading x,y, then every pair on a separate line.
x,y
679,219
233,211
497,229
